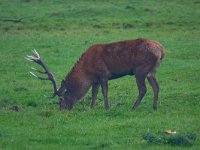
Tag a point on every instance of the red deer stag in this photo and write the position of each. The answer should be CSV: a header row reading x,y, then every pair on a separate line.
x,y
103,62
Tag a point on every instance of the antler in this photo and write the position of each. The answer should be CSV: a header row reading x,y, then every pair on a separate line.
x,y
36,58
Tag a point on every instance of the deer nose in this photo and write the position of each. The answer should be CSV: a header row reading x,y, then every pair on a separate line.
x,y
62,103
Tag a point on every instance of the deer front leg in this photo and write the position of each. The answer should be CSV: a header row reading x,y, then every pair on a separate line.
x,y
104,86
95,89
140,79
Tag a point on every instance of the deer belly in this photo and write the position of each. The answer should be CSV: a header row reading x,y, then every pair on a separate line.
x,y
118,75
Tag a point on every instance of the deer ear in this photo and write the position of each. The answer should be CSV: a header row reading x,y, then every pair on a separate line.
x,y
62,83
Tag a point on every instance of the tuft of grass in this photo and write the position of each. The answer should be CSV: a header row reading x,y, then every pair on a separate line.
x,y
46,113
4,102
182,140
15,107
32,104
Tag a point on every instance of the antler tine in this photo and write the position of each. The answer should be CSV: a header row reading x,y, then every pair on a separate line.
x,y
38,76
30,58
35,53
38,70
33,74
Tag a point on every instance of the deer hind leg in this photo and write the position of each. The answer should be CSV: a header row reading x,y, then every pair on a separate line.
x,y
154,84
95,89
140,79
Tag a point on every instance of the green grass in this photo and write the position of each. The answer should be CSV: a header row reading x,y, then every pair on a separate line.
x,y
61,31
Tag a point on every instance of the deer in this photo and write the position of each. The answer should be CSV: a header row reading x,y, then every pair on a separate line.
x,y
103,62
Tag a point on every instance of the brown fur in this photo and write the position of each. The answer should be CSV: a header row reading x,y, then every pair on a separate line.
x,y
103,62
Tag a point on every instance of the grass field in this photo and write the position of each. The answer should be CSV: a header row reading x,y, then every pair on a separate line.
x,y
61,30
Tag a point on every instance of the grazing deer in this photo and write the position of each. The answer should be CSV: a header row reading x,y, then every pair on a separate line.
x,y
103,62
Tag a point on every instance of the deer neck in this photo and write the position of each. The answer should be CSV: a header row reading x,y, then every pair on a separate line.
x,y
77,83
